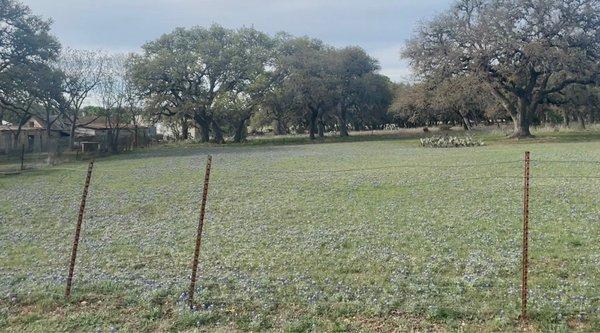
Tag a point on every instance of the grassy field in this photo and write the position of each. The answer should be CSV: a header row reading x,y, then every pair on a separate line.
x,y
373,235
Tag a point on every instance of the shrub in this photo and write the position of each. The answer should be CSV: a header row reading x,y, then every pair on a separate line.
x,y
450,142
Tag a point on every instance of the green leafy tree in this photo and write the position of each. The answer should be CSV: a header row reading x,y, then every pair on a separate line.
x,y
577,101
185,73
369,102
309,78
349,67
523,50
26,46
280,109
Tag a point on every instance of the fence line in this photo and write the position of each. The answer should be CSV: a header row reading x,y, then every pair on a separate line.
x,y
407,166
267,173
348,170
331,171
566,161
526,177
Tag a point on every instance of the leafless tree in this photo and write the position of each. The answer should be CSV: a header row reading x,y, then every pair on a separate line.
x,y
120,100
83,72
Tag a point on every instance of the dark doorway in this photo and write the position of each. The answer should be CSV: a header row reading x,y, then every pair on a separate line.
x,y
30,142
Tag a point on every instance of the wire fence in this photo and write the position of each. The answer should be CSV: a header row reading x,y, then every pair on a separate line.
x,y
100,168
57,152
412,183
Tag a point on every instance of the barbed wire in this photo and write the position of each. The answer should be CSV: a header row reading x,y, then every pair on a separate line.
x,y
99,168
419,183
564,177
567,161
407,166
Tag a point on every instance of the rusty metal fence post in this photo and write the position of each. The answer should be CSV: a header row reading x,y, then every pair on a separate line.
x,y
199,234
525,263
78,230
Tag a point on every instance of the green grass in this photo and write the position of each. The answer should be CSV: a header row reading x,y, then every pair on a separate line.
x,y
366,235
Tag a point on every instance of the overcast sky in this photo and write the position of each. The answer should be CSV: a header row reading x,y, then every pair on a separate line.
x,y
379,26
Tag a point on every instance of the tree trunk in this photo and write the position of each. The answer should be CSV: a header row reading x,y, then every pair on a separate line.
x,y
204,128
521,120
218,133
464,120
240,131
108,144
312,122
185,129
321,128
117,133
519,114
204,132
279,126
466,123
49,143
72,133
48,131
580,120
566,120
343,122
16,136
521,127
113,140
135,133
51,146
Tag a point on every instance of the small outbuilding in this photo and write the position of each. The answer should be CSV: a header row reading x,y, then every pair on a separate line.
x,y
14,138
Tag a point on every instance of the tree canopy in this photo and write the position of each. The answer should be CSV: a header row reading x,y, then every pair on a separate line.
x,y
26,47
479,62
523,50
217,79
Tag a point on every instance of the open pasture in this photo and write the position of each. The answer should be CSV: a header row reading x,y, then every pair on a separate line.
x,y
363,236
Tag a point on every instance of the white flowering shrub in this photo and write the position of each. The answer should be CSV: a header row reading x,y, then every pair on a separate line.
x,y
450,142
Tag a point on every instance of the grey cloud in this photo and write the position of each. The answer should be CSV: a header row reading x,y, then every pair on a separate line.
x,y
379,26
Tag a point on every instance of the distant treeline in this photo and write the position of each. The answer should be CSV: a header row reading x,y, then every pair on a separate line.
x,y
482,61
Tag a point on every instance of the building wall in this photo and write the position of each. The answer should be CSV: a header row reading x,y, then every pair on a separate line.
x,y
32,139
5,141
